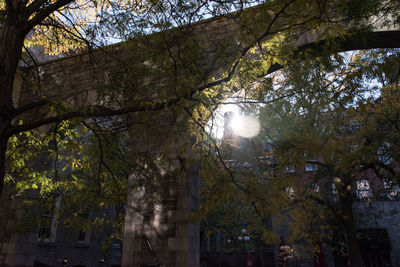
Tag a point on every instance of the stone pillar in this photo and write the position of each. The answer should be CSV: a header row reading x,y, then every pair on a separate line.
x,y
159,229
185,243
162,231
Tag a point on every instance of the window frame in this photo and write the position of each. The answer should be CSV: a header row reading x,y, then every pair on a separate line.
x,y
392,190
47,233
363,189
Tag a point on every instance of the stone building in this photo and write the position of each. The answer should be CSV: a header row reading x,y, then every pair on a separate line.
x,y
81,250
57,245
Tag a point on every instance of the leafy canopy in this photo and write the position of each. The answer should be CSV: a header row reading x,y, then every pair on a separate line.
x,y
332,114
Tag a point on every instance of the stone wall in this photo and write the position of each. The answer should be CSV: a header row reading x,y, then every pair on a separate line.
x,y
65,246
381,215
16,246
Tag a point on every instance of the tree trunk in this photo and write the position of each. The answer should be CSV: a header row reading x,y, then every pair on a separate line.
x,y
11,43
3,149
350,230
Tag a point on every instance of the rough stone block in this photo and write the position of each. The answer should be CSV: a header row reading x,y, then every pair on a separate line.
x,y
183,202
178,243
24,260
182,188
194,258
4,249
178,216
171,230
186,230
195,243
10,224
136,244
139,230
182,259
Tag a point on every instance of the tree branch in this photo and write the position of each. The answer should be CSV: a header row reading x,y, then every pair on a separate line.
x,y
326,204
35,6
43,12
221,160
92,111
29,106
9,5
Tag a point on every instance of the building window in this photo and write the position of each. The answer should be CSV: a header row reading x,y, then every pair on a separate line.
x,y
335,193
335,158
289,168
290,192
363,189
45,229
392,190
310,167
81,237
383,153
115,243
47,224
217,241
354,125
314,187
355,148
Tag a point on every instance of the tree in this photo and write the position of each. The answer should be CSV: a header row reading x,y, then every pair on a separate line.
x,y
193,84
59,26
330,116
339,128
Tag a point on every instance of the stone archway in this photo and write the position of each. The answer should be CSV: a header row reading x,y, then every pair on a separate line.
x,y
180,245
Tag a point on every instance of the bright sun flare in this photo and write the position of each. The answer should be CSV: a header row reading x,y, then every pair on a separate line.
x,y
239,125
245,126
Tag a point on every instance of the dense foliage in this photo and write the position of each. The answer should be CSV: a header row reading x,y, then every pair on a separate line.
x,y
332,121
66,149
